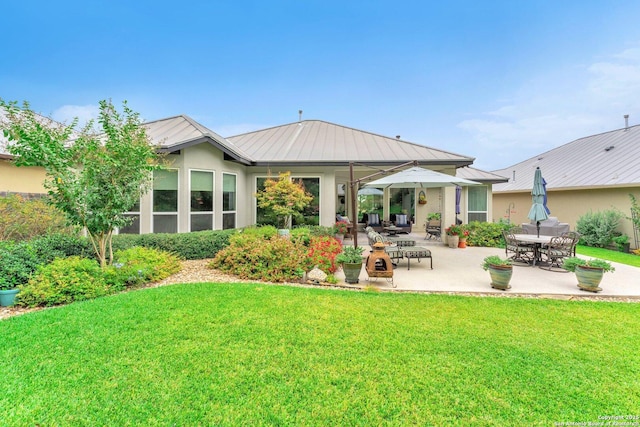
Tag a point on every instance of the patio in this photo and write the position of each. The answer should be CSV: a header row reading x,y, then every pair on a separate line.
x,y
459,270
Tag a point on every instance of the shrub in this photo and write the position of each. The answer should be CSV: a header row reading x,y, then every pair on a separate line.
x,y
322,252
19,261
142,265
250,256
62,245
22,219
63,281
487,234
598,228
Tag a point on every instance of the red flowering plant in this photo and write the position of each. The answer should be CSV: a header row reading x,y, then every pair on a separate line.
x,y
454,230
341,227
323,251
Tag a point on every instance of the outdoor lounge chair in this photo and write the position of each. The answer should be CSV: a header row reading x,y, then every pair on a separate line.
x,y
576,238
373,221
401,221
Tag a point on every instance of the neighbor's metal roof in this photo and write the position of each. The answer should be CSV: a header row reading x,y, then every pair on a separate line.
x,y
603,160
320,142
179,132
479,175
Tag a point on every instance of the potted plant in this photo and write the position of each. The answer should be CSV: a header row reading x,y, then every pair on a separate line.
x,y
351,260
422,198
462,239
8,292
589,272
453,235
500,270
341,229
433,215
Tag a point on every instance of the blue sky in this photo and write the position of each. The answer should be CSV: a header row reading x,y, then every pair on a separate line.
x,y
497,80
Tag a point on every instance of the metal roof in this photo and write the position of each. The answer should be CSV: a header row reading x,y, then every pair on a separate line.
x,y
179,132
320,142
610,159
478,175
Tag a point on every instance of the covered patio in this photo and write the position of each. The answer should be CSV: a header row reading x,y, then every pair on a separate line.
x,y
460,271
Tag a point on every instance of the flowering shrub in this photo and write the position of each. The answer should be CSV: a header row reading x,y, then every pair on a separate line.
x,y
342,227
323,252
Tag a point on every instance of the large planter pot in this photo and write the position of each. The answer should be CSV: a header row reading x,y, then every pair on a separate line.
x,y
7,297
589,278
453,241
339,237
462,243
500,276
351,272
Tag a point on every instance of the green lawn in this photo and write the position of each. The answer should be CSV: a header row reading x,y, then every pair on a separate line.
x,y
609,255
231,354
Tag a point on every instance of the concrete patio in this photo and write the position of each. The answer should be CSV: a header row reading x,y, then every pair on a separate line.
x,y
460,270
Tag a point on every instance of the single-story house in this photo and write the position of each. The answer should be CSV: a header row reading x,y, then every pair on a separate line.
x,y
211,181
594,173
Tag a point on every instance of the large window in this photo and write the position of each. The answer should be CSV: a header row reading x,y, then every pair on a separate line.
x,y
229,184
201,200
134,227
477,197
401,201
165,201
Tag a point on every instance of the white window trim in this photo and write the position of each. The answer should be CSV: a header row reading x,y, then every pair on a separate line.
x,y
213,210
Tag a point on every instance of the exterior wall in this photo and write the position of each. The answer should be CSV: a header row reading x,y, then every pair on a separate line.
x,y
24,179
569,205
206,158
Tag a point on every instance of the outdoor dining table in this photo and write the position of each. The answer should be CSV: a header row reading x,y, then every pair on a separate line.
x,y
538,241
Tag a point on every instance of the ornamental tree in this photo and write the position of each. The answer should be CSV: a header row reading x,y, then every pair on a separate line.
x,y
94,178
284,198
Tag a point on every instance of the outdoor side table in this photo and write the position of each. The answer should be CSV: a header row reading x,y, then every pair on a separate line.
x,y
414,252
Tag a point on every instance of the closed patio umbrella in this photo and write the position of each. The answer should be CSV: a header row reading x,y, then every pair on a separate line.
x,y
458,197
538,212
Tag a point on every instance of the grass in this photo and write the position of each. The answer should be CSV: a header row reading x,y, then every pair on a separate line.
x,y
609,255
230,354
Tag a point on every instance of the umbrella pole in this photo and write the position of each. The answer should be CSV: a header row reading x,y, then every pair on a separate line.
x,y
538,227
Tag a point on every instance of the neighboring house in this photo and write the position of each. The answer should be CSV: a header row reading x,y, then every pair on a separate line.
x,y
210,181
593,173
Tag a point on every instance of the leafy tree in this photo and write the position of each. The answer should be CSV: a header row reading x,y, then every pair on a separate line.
x,y
283,198
92,177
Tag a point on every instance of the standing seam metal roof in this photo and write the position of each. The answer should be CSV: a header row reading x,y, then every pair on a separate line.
x,y
602,160
320,141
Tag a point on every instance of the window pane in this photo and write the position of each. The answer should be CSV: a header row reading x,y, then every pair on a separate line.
x,y
165,200
477,216
401,201
165,191
201,222
262,215
311,214
165,223
477,198
133,228
228,192
201,181
228,221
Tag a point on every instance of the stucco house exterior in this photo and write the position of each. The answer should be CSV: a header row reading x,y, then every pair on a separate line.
x,y
593,173
210,181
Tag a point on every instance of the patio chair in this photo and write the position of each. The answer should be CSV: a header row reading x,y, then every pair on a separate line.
x,y
559,248
401,221
522,252
434,229
373,221
576,238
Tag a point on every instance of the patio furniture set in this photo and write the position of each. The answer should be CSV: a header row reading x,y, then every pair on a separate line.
x,y
545,251
399,248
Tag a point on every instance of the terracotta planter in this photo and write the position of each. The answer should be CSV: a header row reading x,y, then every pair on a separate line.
x,y
453,241
589,278
463,242
500,276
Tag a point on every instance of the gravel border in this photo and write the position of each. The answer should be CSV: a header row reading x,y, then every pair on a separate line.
x,y
197,271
